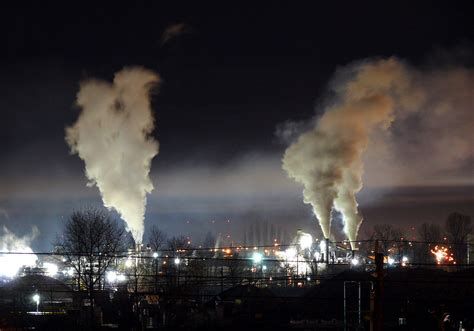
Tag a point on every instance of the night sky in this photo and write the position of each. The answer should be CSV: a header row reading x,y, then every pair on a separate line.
x,y
232,76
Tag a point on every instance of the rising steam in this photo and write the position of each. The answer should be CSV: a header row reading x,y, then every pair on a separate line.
x,y
370,98
113,137
10,264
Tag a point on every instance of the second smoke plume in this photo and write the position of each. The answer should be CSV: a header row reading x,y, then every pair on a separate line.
x,y
327,159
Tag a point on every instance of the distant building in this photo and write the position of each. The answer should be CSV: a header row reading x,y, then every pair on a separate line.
x,y
52,295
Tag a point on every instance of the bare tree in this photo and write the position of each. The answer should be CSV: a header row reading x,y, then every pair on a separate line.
x,y
135,266
258,234
430,235
157,238
146,268
178,246
235,268
390,239
458,227
90,243
209,241
251,235
208,245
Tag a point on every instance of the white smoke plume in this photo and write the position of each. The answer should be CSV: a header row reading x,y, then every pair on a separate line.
x,y
174,31
431,140
11,263
113,137
407,111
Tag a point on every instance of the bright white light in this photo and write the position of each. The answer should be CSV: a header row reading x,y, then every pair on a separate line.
x,y
305,241
291,258
10,264
355,261
128,263
291,253
111,276
405,259
391,261
264,267
36,299
177,261
257,257
322,246
51,269
155,254
317,256
308,278
70,272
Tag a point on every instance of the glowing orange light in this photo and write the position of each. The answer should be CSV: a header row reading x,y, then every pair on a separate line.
x,y
443,255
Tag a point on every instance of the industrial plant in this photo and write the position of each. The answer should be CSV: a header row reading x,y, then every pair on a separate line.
x,y
230,166
181,285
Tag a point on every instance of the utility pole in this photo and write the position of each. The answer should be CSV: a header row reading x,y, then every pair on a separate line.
x,y
468,259
345,308
376,322
359,304
222,279
156,275
79,274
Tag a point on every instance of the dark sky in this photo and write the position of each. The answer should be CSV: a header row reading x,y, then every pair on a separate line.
x,y
228,80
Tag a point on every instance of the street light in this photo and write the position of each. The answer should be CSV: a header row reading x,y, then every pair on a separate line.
x,y
391,261
111,276
177,261
257,257
155,257
404,261
36,299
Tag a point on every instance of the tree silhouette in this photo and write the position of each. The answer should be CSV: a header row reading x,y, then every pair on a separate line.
x,y
90,243
458,227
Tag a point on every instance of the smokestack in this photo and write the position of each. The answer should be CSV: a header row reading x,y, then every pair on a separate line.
x,y
327,250
430,113
113,137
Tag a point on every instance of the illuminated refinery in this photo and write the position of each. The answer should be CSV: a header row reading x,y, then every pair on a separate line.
x,y
198,166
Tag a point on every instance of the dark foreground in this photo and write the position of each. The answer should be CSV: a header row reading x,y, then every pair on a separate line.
x,y
412,299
